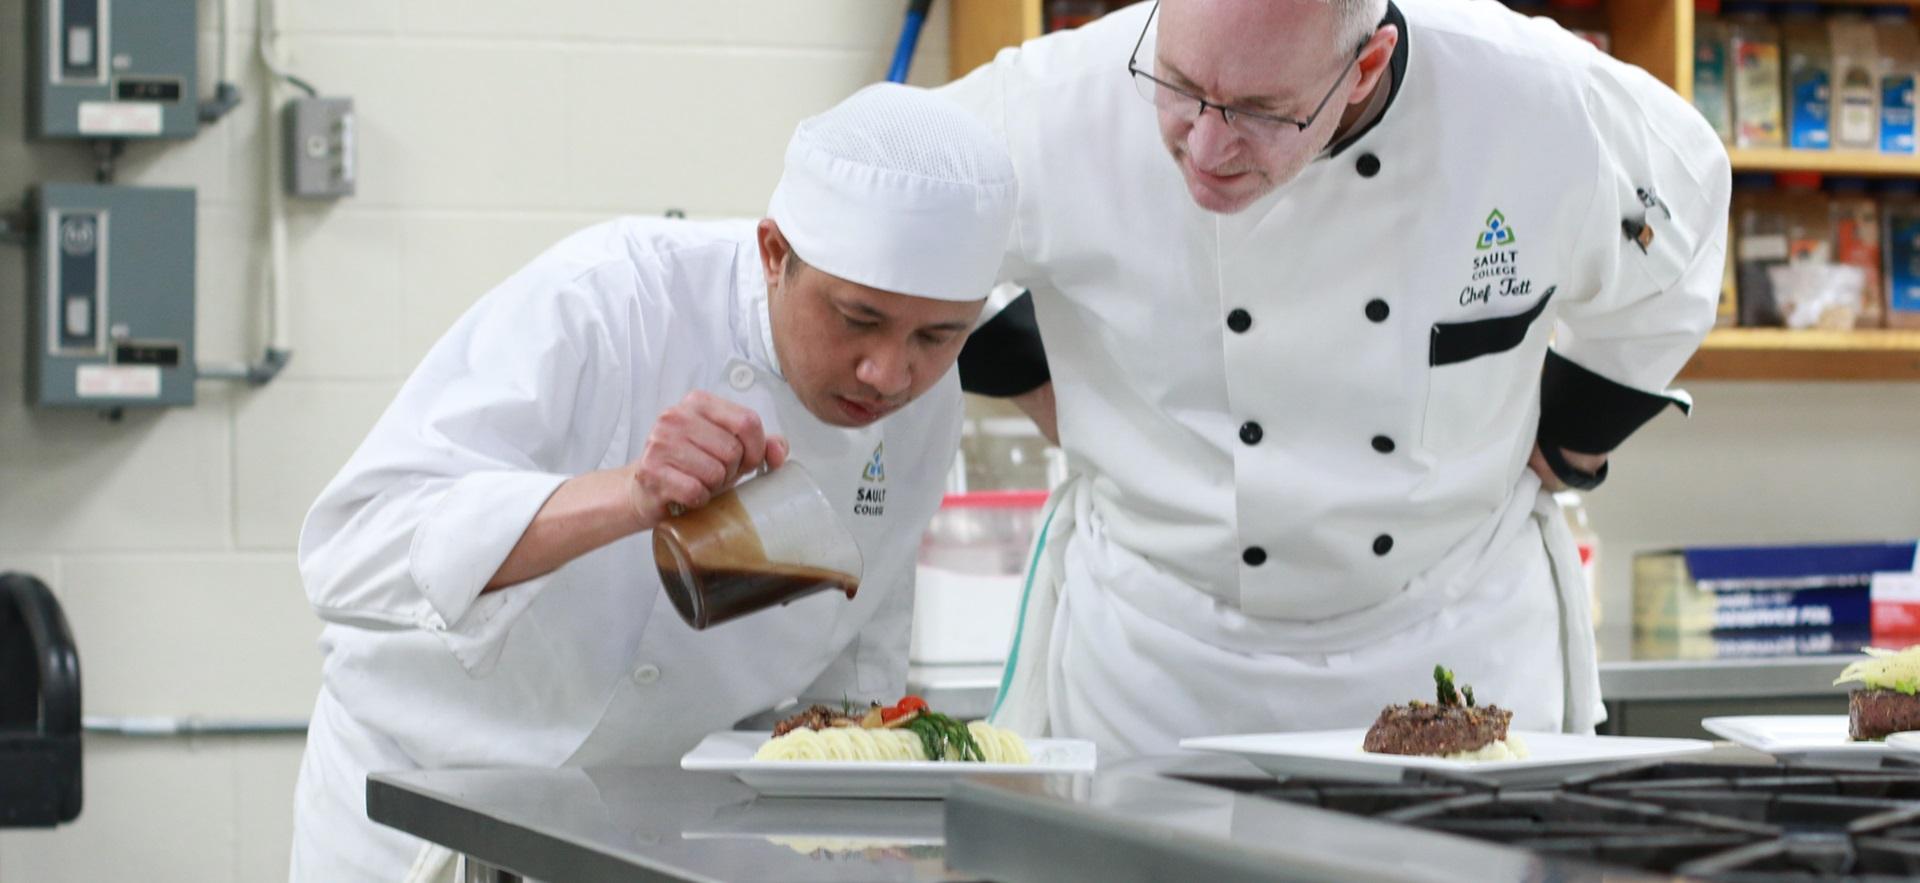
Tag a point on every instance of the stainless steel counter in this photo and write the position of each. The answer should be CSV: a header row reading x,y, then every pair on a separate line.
x,y
1127,822
658,824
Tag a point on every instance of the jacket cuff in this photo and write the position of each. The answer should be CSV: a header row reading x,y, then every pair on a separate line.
x,y
461,545
1004,356
1585,412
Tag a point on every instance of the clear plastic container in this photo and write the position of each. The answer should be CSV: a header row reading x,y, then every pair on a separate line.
x,y
1756,76
1856,102
1588,543
1814,290
972,569
1712,94
1856,242
1006,453
1760,243
1809,61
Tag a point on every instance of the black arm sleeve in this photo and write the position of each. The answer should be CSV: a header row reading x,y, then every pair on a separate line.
x,y
1004,357
1583,411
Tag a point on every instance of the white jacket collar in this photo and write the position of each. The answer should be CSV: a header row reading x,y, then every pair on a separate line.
x,y
752,320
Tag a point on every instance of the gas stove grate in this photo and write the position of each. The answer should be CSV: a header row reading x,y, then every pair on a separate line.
x,y
1738,824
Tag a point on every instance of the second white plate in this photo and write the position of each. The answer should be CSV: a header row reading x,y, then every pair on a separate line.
x,y
1818,738
1337,754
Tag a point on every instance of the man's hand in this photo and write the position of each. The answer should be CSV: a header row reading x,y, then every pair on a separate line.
x,y
1582,462
697,449
1038,405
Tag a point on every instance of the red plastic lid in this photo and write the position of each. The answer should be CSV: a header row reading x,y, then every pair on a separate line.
x,y
995,500
1710,7
1798,180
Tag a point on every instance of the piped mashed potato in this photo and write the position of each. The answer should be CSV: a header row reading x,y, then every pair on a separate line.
x,y
1510,748
880,745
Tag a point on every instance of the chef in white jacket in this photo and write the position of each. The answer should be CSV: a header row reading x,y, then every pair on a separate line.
x,y
1329,290
483,561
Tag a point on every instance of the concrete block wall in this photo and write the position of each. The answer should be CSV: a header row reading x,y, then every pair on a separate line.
x,y
488,130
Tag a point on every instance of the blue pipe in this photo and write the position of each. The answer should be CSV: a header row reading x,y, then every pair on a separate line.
x,y
909,37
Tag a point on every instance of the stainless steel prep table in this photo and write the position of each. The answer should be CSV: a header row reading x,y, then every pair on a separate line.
x,y
664,824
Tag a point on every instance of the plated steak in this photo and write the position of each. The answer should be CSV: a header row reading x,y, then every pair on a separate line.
x,y
1874,714
1422,728
1449,726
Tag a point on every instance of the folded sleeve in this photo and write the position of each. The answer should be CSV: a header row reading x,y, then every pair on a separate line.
x,y
526,390
1004,356
1652,251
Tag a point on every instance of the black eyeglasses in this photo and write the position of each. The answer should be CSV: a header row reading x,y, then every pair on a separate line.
x,y
1250,124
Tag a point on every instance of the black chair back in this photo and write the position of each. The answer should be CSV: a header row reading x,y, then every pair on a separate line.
x,y
39,707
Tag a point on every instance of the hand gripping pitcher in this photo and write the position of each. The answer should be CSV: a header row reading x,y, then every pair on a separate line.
x,y
768,541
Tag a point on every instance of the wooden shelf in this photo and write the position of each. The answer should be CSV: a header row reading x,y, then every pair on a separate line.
x,y
1782,354
1828,162
979,28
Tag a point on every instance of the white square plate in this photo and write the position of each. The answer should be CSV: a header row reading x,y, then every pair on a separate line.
x,y
1337,754
732,752
1803,737
1905,743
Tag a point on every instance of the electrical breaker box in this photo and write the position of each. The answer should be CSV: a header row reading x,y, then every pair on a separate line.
x,y
114,69
112,297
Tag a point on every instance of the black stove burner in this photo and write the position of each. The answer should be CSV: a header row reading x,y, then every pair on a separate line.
x,y
1741,824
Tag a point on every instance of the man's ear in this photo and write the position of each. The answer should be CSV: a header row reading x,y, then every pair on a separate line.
x,y
774,250
1374,59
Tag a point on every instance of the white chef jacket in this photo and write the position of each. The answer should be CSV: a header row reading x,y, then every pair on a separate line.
x,y
1316,413
559,371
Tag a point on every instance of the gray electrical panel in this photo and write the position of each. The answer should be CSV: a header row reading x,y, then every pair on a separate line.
x,y
112,296
114,69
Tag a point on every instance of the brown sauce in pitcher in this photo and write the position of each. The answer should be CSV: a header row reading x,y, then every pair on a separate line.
x,y
714,568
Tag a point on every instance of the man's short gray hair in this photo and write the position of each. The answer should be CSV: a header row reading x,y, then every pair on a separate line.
x,y
1356,20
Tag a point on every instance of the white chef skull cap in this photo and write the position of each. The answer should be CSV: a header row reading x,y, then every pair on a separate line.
x,y
898,189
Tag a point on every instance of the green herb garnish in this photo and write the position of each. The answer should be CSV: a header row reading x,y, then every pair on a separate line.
x,y
942,736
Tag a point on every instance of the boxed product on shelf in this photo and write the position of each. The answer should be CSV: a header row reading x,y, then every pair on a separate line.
x,y
1856,104
1745,588
1755,53
1808,51
1900,213
1898,62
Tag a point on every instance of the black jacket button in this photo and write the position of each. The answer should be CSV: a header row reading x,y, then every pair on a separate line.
x,y
1254,556
1383,444
1382,544
1377,310
1251,433
1367,165
1239,321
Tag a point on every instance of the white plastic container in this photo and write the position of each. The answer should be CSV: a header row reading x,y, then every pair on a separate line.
x,y
973,565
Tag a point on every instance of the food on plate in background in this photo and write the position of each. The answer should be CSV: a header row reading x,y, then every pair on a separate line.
x,y
851,848
1885,702
905,731
1453,728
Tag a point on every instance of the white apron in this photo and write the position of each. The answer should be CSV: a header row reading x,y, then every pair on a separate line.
x,y
1111,649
